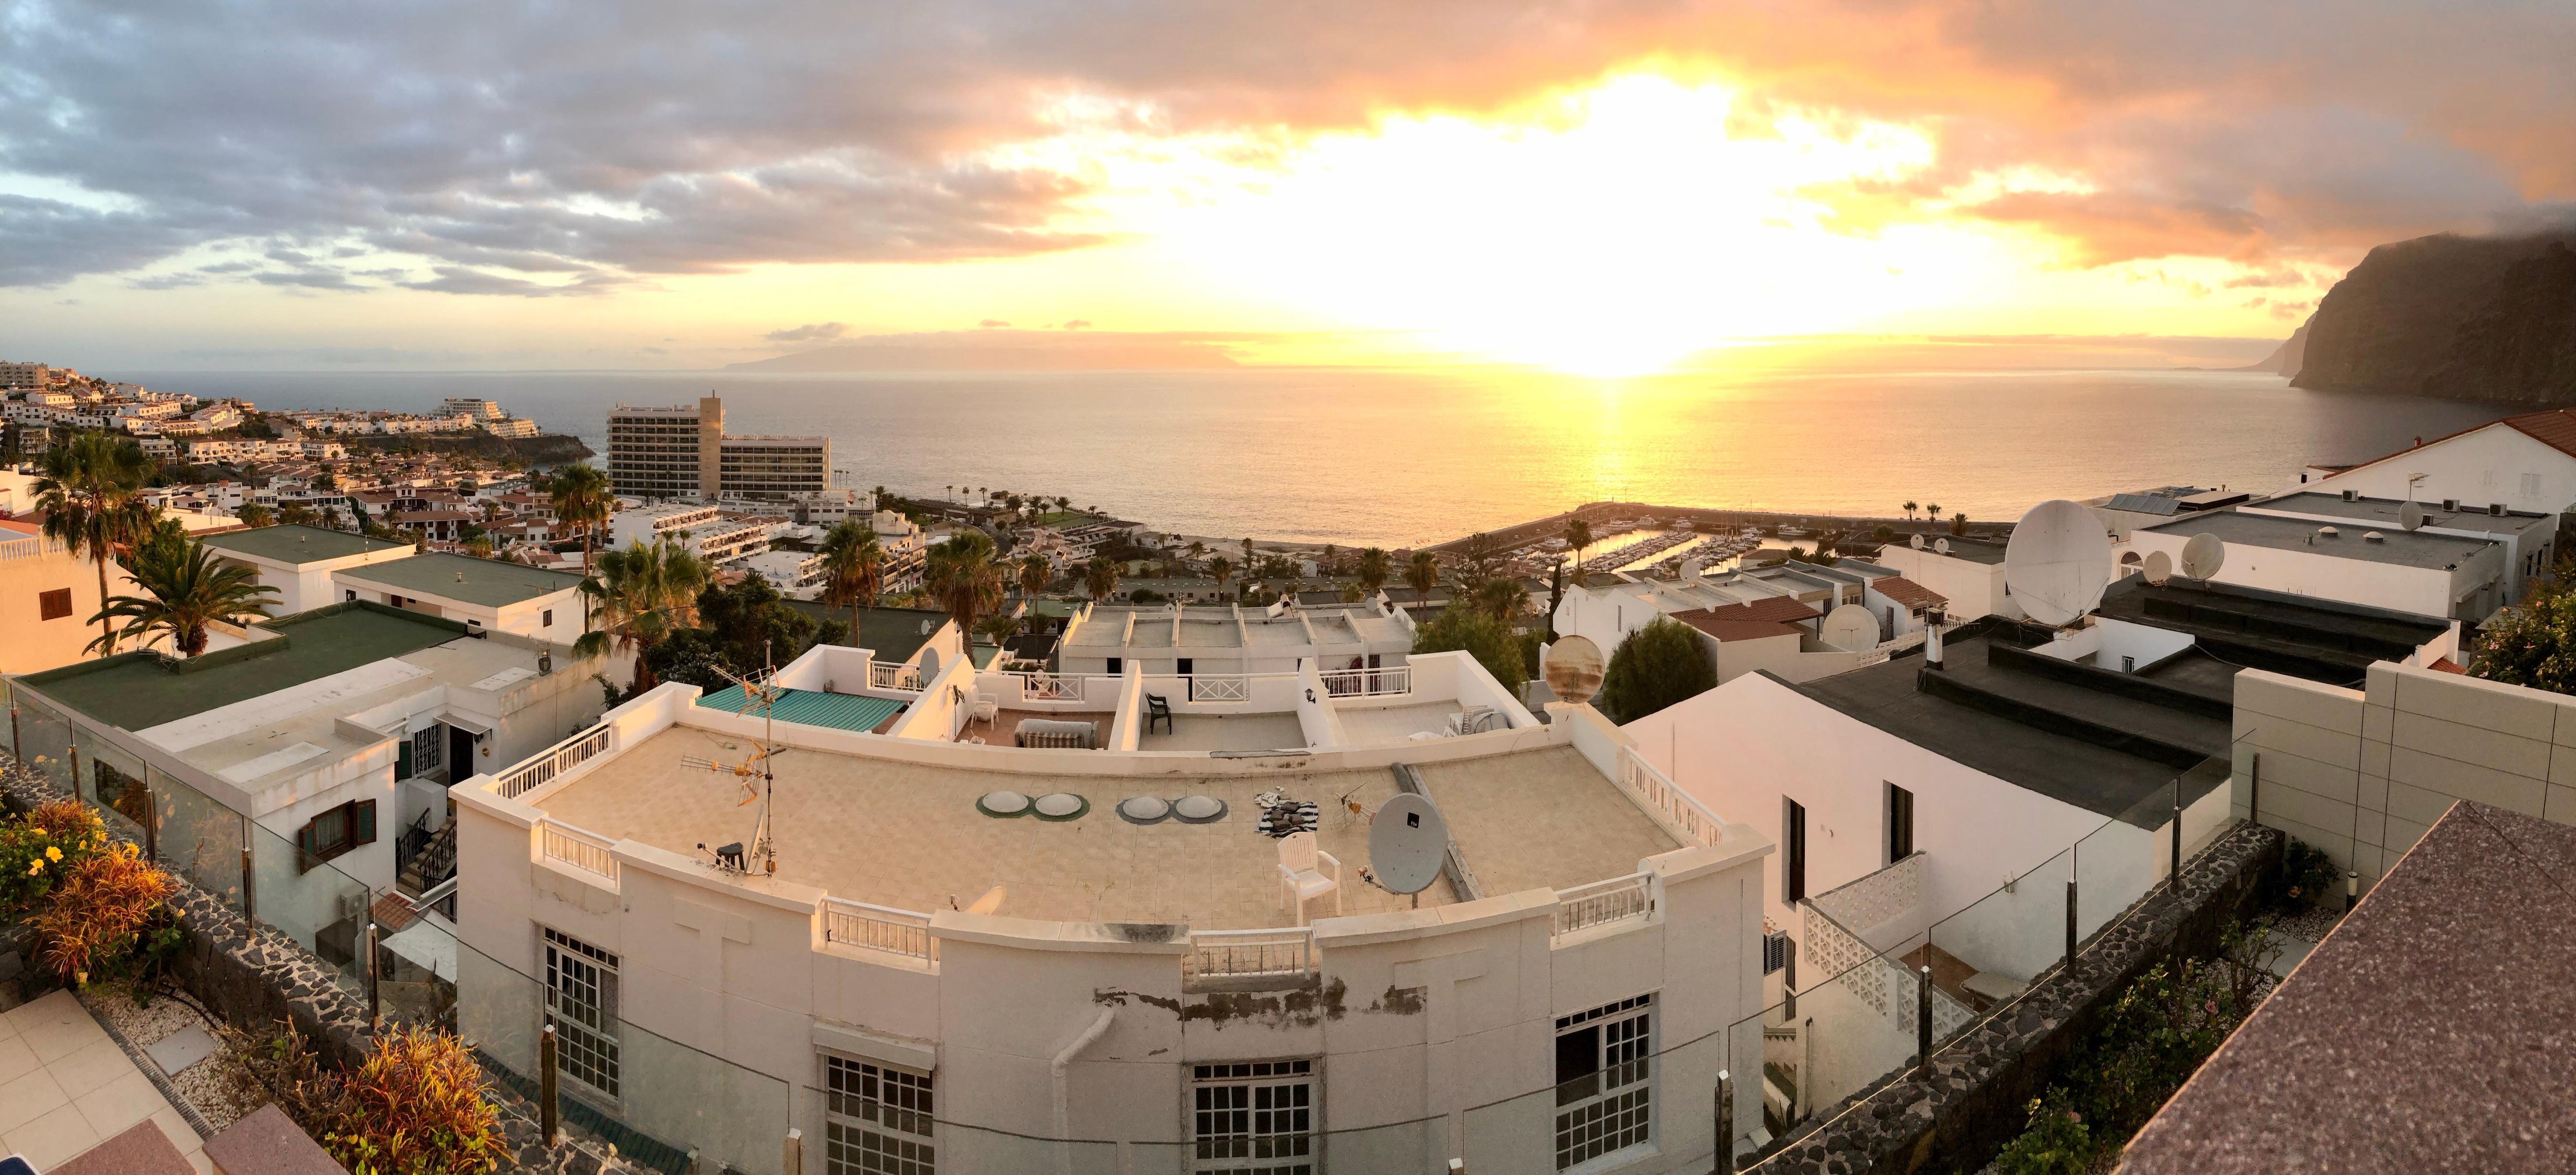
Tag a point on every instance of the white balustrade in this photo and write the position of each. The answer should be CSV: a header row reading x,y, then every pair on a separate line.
x,y
1369,683
1603,902
541,768
1215,955
888,675
576,847
1220,689
879,928
1662,797
1050,687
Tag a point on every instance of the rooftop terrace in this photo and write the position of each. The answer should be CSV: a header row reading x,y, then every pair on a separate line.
x,y
297,544
491,583
908,835
138,691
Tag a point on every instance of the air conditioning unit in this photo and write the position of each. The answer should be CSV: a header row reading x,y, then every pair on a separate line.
x,y
2451,504
2496,509
2352,495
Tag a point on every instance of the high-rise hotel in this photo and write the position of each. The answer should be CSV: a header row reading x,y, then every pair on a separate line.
x,y
683,452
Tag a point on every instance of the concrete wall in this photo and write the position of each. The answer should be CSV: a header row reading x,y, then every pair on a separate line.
x,y
2477,468
29,643
2362,773
2323,572
1974,589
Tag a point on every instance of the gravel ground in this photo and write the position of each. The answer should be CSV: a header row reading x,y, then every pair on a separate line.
x,y
206,1085
2312,924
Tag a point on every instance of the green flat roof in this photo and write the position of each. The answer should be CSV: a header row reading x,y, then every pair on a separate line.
x,y
489,582
297,544
136,691
895,633
812,708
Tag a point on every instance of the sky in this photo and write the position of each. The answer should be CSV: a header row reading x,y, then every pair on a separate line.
x,y
1592,186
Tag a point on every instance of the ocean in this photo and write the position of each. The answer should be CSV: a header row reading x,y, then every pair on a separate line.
x,y
1398,458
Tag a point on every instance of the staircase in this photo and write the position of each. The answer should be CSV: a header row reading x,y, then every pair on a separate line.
x,y
434,863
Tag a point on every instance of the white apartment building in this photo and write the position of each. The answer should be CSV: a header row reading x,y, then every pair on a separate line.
x,y
510,426
2426,572
702,530
798,575
683,452
236,452
23,375
1230,640
1562,998
826,507
297,562
477,410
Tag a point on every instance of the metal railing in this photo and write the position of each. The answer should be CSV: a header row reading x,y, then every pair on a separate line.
x,y
1283,952
1603,902
889,675
576,847
551,762
1220,689
1662,797
1368,683
879,928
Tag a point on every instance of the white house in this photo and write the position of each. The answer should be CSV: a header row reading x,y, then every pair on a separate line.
x,y
2525,462
485,595
298,561
1967,573
2426,572
2529,537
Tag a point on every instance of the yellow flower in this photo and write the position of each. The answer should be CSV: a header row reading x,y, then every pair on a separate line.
x,y
53,853
38,831
35,867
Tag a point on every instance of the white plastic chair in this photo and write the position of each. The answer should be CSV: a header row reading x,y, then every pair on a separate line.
x,y
1306,873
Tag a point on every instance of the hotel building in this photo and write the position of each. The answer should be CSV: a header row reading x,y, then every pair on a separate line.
x,y
683,452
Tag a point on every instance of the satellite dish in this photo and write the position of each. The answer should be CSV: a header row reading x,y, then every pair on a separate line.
x,y
1917,541
2159,567
2203,556
1941,546
2058,562
1852,629
1573,669
2410,516
1407,842
929,664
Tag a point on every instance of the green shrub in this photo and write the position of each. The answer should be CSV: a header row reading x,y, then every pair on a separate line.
x,y
1491,642
2307,877
2057,1143
1656,666
39,851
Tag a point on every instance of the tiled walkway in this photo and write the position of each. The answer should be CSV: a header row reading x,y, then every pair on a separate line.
x,y
66,1087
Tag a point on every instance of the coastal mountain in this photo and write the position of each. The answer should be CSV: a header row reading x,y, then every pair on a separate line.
x,y
2453,317
2286,358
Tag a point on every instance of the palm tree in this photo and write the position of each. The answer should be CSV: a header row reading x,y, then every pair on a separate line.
x,y
637,597
1503,597
1421,573
1932,511
1373,570
1197,549
854,569
90,495
1034,574
1100,577
255,516
1910,508
1578,535
582,498
187,589
961,576
1222,570
296,514
1247,555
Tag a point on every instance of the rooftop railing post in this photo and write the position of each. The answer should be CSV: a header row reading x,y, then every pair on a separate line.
x,y
2174,878
2254,792
2070,925
1725,1123
1923,1018
375,986
250,906
546,1083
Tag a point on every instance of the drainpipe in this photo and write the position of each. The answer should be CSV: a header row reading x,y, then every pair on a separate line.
x,y
1063,1061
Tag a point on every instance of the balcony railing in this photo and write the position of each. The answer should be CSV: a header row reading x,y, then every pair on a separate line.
x,y
1050,687
1369,683
1603,902
541,769
1220,689
879,928
1220,955
887,675
1662,797
576,848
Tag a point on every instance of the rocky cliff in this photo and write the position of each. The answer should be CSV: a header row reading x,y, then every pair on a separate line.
x,y
2461,318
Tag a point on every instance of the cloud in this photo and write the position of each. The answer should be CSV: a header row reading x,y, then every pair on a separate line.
x,y
812,332
1077,324
991,324
454,279
656,137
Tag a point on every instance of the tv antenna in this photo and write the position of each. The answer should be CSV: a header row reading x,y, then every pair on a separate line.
x,y
758,772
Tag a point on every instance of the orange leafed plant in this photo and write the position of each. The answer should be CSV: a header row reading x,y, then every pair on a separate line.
x,y
94,916
417,1107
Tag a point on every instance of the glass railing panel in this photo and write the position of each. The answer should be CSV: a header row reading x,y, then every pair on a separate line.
x,y
1987,954
416,968
114,783
45,743
198,838
2114,866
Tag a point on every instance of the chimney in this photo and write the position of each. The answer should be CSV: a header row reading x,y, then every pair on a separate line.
x,y
1932,641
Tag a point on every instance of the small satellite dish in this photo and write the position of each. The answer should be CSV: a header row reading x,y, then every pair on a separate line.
x,y
1917,541
1941,546
2203,556
1407,842
929,664
1852,629
2058,562
2159,567
1573,669
2410,516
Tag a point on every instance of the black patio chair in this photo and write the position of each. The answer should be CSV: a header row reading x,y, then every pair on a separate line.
x,y
1157,710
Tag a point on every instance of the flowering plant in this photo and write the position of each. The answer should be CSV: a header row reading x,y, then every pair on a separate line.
x,y
37,852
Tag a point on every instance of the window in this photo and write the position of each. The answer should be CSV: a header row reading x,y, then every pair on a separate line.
x,y
1117,665
547,619
1793,860
428,751
1604,1100
335,831
54,605
1900,824
878,1120
581,994
2531,485
349,595
1253,1118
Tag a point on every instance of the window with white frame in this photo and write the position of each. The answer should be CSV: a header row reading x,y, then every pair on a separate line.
x,y
878,1120
581,994
1604,1091
1253,1118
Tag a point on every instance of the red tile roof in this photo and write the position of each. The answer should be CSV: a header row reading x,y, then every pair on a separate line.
x,y
1907,592
2448,665
1777,609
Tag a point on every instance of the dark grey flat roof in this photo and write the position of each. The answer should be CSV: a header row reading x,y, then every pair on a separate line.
x,y
1971,550
2381,513
297,544
2305,636
2430,1031
492,583
2030,730
2403,548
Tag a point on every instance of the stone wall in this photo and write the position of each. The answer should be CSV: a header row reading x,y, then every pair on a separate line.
x,y
1981,1085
